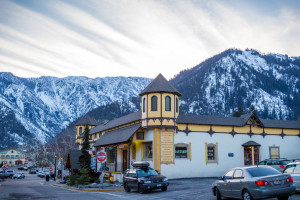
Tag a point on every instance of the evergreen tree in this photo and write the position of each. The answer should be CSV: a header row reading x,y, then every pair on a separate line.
x,y
238,112
252,109
85,159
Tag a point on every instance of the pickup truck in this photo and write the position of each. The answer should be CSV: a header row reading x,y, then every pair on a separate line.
x,y
7,174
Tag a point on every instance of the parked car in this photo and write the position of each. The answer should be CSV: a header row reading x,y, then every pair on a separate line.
x,y
256,182
21,168
19,175
278,163
32,171
143,178
4,174
8,173
294,169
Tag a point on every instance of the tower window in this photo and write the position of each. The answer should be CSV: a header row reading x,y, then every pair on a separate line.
x,y
154,103
144,104
177,106
168,103
80,130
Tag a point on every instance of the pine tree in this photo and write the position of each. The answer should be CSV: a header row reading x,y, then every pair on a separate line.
x,y
238,112
85,159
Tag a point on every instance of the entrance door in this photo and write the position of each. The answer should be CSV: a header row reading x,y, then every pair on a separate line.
x,y
125,160
251,155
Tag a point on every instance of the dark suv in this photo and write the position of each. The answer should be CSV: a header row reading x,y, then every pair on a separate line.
x,y
143,178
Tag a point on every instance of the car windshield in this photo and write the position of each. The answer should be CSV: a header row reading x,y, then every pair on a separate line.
x,y
262,171
146,172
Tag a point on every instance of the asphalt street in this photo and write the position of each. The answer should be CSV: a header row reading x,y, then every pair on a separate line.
x,y
33,187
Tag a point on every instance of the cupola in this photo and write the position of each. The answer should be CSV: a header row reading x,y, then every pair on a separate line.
x,y
160,103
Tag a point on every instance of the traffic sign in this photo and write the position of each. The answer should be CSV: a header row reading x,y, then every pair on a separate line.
x,y
4,168
101,156
50,169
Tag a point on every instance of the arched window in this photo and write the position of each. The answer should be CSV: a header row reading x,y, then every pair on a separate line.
x,y
80,130
168,103
177,105
154,103
144,105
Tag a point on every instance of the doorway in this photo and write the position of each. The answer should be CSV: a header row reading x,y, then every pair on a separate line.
x,y
125,154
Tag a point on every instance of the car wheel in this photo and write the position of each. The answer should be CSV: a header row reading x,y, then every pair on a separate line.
x,y
164,188
141,189
126,188
247,195
218,194
283,198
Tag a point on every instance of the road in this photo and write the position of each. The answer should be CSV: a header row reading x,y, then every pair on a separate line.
x,y
33,187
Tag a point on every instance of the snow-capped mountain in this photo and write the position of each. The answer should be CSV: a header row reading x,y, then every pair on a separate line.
x,y
46,105
233,78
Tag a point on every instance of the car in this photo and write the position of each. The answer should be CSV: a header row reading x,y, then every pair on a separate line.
x,y
294,169
7,173
143,178
4,174
277,163
21,168
255,182
19,175
32,171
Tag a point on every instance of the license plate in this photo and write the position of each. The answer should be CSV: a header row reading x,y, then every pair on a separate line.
x,y
158,185
277,182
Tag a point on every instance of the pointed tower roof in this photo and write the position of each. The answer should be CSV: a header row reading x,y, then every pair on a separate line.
x,y
160,84
86,120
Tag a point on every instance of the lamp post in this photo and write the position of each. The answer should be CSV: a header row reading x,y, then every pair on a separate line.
x,y
55,167
61,175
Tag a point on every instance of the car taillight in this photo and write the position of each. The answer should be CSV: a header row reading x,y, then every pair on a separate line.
x,y
281,166
262,183
289,180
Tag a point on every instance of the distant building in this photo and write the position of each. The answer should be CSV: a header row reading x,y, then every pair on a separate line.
x,y
184,145
12,157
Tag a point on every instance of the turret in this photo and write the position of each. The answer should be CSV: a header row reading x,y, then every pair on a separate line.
x,y
80,126
160,104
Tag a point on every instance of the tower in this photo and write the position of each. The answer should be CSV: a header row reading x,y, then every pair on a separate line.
x,y
80,126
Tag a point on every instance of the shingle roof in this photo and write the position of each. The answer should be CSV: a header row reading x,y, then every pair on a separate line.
x,y
234,121
117,122
160,84
117,136
250,143
74,157
86,120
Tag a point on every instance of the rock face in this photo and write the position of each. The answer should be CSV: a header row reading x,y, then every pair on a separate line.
x,y
46,105
233,78
43,107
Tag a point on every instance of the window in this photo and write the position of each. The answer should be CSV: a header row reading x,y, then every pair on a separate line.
x,y
229,174
12,156
297,169
168,103
154,103
177,106
238,174
7,156
144,104
290,169
262,171
147,150
17,156
2,156
111,154
211,153
251,155
80,130
182,150
140,135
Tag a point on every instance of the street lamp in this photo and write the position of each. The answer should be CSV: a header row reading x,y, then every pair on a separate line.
x,y
61,162
55,167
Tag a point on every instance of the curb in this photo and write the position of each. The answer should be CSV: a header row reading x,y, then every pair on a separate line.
x,y
88,190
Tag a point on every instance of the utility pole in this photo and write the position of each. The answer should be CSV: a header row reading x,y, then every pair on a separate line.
x,y
55,167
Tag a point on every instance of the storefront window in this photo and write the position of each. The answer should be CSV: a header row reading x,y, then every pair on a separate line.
x,y
147,150
211,153
181,152
111,154
251,155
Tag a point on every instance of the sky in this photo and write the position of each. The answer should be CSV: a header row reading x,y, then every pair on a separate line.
x,y
99,38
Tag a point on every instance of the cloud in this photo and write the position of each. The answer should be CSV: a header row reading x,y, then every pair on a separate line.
x,y
136,38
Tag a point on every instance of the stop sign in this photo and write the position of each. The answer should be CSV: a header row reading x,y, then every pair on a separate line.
x,y
101,156
51,169
4,168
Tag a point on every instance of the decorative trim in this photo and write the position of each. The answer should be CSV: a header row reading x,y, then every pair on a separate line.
x,y
263,133
187,130
210,132
250,133
233,133
282,134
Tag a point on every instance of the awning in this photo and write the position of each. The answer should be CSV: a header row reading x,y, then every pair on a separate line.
x,y
117,136
250,143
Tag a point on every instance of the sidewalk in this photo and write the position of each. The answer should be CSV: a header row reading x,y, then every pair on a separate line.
x,y
93,187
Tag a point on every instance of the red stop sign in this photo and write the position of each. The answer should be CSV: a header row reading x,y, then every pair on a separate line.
x,y
4,168
51,169
101,156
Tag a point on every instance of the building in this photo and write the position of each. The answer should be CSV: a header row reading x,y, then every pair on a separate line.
x,y
12,157
180,145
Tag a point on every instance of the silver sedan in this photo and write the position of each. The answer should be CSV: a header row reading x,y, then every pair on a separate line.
x,y
256,182
294,169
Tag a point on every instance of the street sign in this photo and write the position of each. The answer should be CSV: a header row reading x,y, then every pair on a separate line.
x,y
50,169
101,156
4,168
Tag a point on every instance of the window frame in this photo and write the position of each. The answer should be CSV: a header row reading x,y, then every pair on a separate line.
x,y
144,104
182,145
177,104
215,156
168,103
154,103
144,145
